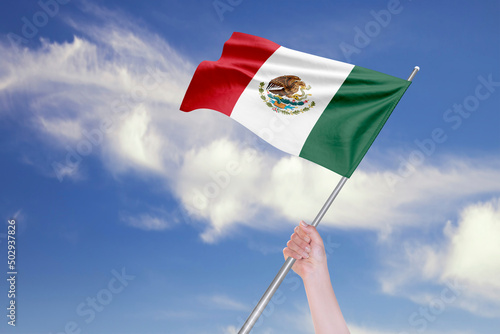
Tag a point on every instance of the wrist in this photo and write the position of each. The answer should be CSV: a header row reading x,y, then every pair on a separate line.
x,y
320,273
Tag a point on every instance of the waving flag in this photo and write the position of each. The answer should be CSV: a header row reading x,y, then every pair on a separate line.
x,y
325,111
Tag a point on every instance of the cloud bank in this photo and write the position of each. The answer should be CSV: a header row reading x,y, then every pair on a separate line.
x,y
113,92
468,259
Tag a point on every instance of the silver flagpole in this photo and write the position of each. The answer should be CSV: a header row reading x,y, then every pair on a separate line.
x,y
413,73
257,311
266,298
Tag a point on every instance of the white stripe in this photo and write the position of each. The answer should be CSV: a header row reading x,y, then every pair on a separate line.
x,y
289,132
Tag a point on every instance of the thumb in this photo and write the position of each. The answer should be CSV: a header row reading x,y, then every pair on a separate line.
x,y
312,232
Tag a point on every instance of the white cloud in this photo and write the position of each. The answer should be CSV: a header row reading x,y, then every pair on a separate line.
x,y
265,191
468,258
223,302
64,128
297,319
356,329
278,319
21,220
137,142
231,330
147,222
474,249
364,330
218,183
114,92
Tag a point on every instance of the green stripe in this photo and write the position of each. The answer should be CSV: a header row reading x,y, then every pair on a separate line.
x,y
353,119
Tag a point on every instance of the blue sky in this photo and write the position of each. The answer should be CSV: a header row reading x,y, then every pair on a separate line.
x,y
111,236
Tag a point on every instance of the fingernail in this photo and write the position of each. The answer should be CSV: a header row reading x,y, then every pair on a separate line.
x,y
303,223
307,239
308,249
306,255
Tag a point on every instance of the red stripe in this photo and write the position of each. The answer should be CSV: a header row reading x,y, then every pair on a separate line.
x,y
218,84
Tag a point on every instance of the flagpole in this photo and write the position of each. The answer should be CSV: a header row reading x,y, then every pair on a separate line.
x,y
413,73
285,268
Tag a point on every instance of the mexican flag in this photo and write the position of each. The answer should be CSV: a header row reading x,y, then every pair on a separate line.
x,y
325,111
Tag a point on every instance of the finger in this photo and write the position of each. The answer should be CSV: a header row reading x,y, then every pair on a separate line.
x,y
300,243
304,252
287,252
312,232
302,232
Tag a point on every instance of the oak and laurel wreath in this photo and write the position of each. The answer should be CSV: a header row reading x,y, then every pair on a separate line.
x,y
296,112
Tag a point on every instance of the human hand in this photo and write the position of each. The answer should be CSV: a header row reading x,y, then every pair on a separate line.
x,y
306,246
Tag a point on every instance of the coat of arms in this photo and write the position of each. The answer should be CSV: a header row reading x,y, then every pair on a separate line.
x,y
287,95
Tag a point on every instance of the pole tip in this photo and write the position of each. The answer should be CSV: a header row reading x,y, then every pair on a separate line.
x,y
417,68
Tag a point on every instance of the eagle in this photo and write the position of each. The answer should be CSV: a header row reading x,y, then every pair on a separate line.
x,y
285,85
